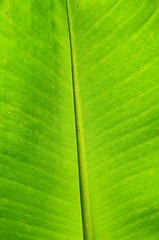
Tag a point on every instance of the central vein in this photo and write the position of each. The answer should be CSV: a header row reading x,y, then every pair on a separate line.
x,y
84,194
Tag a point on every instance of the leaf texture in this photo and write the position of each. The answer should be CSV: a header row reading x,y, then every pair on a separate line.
x,y
108,107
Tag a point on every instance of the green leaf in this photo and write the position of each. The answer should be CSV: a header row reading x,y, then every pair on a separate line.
x,y
79,120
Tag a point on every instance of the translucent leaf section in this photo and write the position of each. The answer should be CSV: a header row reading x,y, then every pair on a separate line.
x,y
39,196
116,55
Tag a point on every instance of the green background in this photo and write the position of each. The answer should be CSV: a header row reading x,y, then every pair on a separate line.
x,y
115,47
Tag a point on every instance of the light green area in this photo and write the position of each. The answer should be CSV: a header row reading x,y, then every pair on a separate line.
x,y
115,63
39,185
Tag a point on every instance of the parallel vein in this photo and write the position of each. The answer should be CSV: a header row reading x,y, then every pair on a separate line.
x,y
84,194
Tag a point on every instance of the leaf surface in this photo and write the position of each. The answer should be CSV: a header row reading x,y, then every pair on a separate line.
x,y
79,120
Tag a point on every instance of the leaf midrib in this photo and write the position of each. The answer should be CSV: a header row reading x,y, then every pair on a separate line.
x,y
83,182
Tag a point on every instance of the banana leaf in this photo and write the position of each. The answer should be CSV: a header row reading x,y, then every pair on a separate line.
x,y
79,120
